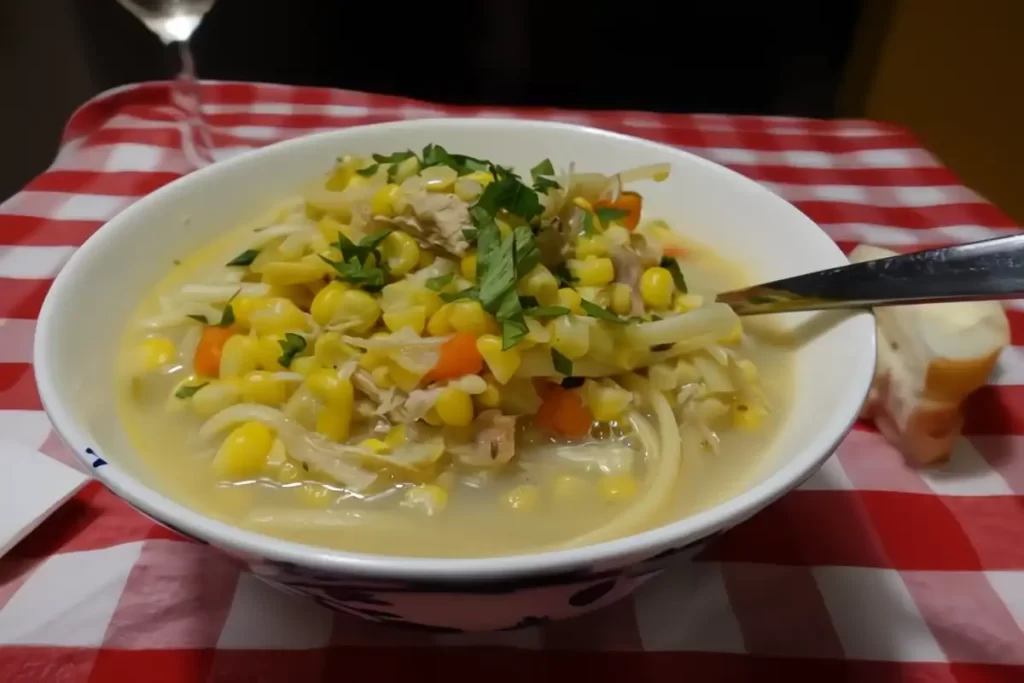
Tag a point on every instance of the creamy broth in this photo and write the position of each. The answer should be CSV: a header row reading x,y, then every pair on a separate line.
x,y
538,501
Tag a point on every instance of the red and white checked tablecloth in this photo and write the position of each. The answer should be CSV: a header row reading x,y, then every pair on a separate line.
x,y
869,572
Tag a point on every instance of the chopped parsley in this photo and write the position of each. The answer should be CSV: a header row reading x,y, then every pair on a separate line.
x,y
468,293
436,155
369,171
573,382
564,276
588,223
547,311
563,365
672,266
527,253
245,258
541,183
291,346
356,267
188,390
509,193
227,316
438,283
394,158
594,311
609,214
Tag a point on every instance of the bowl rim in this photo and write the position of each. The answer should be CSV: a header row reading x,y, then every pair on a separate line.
x,y
251,544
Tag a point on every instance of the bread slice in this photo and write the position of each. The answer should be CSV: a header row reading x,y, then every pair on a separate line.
x,y
931,357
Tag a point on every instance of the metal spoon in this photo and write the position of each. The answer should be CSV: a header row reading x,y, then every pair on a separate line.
x,y
990,269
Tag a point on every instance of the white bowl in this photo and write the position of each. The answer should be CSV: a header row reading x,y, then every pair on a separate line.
x,y
82,320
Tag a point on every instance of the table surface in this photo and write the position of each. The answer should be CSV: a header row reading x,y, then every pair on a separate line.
x,y
870,571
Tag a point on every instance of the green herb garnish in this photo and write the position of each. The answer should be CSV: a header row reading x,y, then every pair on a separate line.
x,y
527,253
588,223
547,311
528,302
543,168
291,346
541,183
510,194
436,155
564,276
573,382
245,258
188,390
594,311
394,158
369,171
672,266
468,293
563,365
470,235
608,214
438,283
355,266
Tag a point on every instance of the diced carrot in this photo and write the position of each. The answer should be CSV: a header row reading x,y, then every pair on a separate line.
x,y
207,357
674,250
562,412
631,203
458,357
543,387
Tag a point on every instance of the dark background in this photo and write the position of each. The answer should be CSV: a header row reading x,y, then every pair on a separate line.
x,y
731,57
949,70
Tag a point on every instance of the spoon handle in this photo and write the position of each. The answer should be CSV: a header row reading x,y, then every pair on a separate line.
x,y
990,269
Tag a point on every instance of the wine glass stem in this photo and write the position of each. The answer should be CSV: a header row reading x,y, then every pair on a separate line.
x,y
187,97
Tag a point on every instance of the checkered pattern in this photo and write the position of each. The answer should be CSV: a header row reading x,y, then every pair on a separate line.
x,y
869,572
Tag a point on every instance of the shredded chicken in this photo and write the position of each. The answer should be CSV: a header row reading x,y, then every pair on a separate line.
x,y
438,222
494,444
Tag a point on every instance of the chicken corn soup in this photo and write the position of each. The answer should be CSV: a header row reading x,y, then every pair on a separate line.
x,y
430,354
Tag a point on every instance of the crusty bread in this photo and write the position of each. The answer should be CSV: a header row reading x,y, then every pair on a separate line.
x,y
931,357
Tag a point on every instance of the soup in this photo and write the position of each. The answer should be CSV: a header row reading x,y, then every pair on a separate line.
x,y
432,355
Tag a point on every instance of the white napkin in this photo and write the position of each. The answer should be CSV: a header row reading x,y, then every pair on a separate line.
x,y
32,487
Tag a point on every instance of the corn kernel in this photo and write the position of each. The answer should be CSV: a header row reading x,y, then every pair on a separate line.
x,y
396,436
592,271
239,356
263,387
583,204
594,245
244,452
616,488
304,365
440,322
315,495
382,377
243,306
383,201
329,350
330,387
467,190
467,266
748,416
502,364
154,352
524,498
215,397
432,418
430,301
269,352
491,396
288,473
284,273
657,287
541,284
429,499
426,258
567,488
536,333
375,445
334,422
359,307
439,178
414,318
405,380
278,316
330,228
483,177
469,316
571,299
406,169
402,253
688,302
607,401
616,236
327,302
455,407
622,299
570,337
